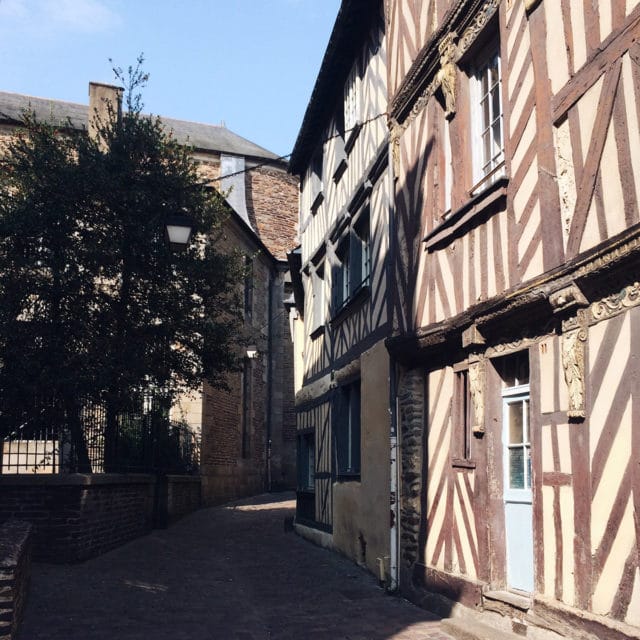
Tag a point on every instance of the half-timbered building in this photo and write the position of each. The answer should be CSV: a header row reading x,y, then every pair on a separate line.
x,y
341,156
514,302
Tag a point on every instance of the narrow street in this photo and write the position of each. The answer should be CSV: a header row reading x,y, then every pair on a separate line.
x,y
229,572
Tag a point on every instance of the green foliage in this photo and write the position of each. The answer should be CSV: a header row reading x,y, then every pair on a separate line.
x,y
93,302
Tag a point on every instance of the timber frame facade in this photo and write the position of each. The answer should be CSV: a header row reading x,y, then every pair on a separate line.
x,y
515,307
341,157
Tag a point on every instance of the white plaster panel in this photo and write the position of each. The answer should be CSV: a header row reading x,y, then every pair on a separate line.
x,y
549,372
633,612
521,58
588,110
535,267
549,542
528,137
611,185
632,119
516,21
579,33
568,533
591,235
611,477
605,591
529,183
605,18
557,61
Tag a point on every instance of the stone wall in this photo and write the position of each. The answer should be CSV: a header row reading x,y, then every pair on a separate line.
x,y
78,516
15,569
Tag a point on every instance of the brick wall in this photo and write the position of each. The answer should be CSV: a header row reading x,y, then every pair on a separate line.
x,y
78,516
272,205
183,496
15,569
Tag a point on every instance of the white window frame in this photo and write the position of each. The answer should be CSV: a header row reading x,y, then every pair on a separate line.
x,y
487,167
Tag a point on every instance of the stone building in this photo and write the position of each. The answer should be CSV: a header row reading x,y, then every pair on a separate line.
x,y
247,434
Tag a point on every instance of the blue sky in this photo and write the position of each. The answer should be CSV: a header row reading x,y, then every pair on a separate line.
x,y
248,63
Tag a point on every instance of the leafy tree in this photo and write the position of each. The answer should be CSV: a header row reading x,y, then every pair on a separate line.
x,y
94,305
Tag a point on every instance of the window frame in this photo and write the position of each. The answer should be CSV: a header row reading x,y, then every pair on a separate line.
x,y
486,170
306,461
351,273
348,435
462,420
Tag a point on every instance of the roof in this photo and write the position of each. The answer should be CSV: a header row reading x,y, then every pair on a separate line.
x,y
349,31
205,137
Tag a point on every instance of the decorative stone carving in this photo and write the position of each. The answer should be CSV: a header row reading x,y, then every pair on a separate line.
x,y
567,298
411,416
479,22
477,376
396,131
573,347
611,305
448,71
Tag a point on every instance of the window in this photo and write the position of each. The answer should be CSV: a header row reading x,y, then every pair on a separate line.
x,y
514,371
353,262
306,461
346,410
461,414
487,121
317,291
352,99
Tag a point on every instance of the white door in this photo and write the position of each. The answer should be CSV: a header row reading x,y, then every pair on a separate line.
x,y
518,513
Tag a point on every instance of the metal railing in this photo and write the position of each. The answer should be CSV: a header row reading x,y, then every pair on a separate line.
x,y
141,439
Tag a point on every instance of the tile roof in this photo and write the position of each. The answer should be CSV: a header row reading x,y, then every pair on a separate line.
x,y
204,137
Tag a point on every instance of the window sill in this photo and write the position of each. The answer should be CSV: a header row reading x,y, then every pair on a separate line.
x,y
478,205
351,305
348,477
352,137
462,463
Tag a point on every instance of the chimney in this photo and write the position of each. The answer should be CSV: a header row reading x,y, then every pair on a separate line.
x,y
100,97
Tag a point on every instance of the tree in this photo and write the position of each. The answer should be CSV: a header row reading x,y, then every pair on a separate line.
x,y
94,305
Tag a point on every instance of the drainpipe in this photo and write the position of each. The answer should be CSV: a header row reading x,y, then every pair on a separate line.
x,y
269,376
394,494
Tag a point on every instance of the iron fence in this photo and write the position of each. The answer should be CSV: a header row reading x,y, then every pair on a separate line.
x,y
140,439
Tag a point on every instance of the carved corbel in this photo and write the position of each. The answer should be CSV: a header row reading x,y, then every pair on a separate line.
x,y
573,363
471,337
567,298
477,376
395,134
448,71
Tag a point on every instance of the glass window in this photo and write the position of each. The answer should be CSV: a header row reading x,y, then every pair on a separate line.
x,y
346,409
488,120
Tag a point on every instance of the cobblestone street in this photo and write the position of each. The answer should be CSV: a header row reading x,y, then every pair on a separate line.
x,y
228,572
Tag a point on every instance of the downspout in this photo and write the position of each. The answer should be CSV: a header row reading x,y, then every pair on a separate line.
x,y
269,377
394,497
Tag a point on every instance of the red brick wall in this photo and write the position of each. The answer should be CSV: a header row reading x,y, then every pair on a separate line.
x,y
15,569
272,205
78,516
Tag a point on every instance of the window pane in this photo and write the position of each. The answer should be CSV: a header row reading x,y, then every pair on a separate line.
x,y
516,431
486,114
486,151
516,468
493,70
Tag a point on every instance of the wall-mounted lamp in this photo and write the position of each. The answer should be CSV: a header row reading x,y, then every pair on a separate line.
x,y
179,229
252,352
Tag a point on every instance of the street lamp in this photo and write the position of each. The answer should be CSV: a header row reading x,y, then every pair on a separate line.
x,y
179,229
252,352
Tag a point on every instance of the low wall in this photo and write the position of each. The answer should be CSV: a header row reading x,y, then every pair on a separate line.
x,y
15,568
78,516
183,496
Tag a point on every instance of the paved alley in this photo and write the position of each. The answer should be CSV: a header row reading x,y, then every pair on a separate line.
x,y
226,573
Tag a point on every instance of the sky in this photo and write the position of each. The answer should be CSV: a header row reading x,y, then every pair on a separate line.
x,y
250,64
